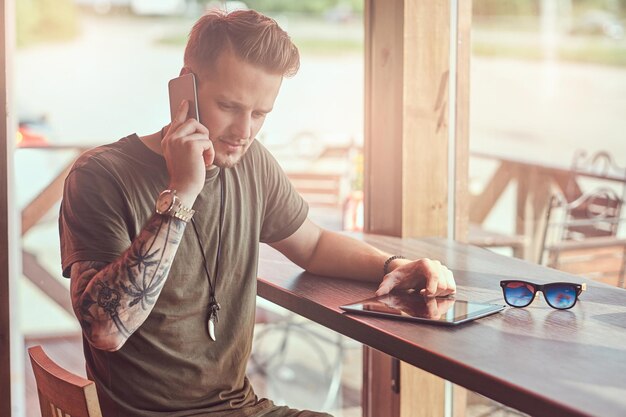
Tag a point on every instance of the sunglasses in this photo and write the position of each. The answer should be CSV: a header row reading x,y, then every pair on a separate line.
x,y
559,295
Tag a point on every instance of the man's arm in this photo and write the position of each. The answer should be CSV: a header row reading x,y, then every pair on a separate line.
x,y
112,301
323,252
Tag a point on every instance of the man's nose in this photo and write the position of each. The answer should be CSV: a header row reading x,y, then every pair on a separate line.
x,y
241,127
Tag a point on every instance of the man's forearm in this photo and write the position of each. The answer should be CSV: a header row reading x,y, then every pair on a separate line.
x,y
112,301
341,256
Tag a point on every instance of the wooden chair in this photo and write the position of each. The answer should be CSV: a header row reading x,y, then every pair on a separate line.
x,y
581,236
593,172
323,193
319,190
62,393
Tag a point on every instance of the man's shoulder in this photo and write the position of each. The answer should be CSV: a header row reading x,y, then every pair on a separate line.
x,y
105,156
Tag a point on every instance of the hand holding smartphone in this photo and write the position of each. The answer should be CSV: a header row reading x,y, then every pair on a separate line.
x,y
184,88
186,146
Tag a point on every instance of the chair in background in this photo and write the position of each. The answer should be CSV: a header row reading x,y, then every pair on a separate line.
x,y
581,236
594,171
62,393
583,233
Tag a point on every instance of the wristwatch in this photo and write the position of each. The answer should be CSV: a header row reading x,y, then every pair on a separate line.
x,y
169,204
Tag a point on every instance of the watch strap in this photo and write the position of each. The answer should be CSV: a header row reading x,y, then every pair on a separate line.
x,y
177,209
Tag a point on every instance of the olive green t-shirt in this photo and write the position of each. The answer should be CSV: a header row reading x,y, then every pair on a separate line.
x,y
170,366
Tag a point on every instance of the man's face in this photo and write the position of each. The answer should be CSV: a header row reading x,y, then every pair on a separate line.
x,y
233,98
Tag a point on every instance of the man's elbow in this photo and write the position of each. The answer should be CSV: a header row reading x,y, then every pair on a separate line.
x,y
107,342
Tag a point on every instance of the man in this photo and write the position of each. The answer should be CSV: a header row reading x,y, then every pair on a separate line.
x,y
167,308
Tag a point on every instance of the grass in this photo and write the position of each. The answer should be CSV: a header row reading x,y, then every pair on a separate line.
x,y
596,55
522,45
172,40
306,45
589,52
329,46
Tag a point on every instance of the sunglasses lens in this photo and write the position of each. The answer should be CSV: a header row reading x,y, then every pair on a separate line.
x,y
518,294
560,295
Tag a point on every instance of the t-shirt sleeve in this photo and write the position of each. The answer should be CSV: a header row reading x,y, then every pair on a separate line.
x,y
285,210
93,221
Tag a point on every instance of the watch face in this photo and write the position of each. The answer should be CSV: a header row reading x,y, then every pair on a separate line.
x,y
164,202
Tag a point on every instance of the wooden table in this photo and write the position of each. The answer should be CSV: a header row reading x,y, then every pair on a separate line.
x,y
536,182
538,360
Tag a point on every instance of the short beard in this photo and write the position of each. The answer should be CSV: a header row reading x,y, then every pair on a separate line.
x,y
225,162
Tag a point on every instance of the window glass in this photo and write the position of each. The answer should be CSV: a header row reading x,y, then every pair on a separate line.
x,y
548,93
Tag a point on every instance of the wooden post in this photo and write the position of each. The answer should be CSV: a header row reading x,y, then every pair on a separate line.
x,y
407,73
11,343
5,340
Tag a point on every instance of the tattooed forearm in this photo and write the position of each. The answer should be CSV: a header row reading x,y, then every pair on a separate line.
x,y
112,301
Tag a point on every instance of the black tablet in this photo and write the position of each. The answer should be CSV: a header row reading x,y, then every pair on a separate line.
x,y
414,307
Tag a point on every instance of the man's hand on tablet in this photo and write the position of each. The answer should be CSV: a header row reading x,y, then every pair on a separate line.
x,y
430,277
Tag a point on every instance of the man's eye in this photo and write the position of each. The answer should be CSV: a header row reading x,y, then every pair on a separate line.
x,y
258,115
225,106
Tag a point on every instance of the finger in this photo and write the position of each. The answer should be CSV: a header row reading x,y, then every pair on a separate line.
x,y
450,281
193,139
181,113
432,279
201,128
166,129
187,128
193,124
209,155
444,285
386,286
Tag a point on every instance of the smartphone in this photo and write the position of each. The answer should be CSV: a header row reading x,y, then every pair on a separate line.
x,y
184,88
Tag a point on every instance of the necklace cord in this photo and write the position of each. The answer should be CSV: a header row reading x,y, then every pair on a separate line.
x,y
212,288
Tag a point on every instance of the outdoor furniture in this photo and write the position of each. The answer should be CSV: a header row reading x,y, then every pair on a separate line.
x,y
318,189
581,236
62,393
479,236
598,169
535,183
582,229
324,195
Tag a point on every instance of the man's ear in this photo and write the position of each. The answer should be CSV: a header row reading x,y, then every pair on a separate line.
x,y
184,71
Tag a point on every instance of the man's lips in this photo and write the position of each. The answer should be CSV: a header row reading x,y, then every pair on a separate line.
x,y
233,145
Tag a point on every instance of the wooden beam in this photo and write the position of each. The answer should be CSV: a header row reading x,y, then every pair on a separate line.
x,y
48,284
482,204
383,147
464,51
424,140
7,270
407,73
423,394
381,399
44,201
